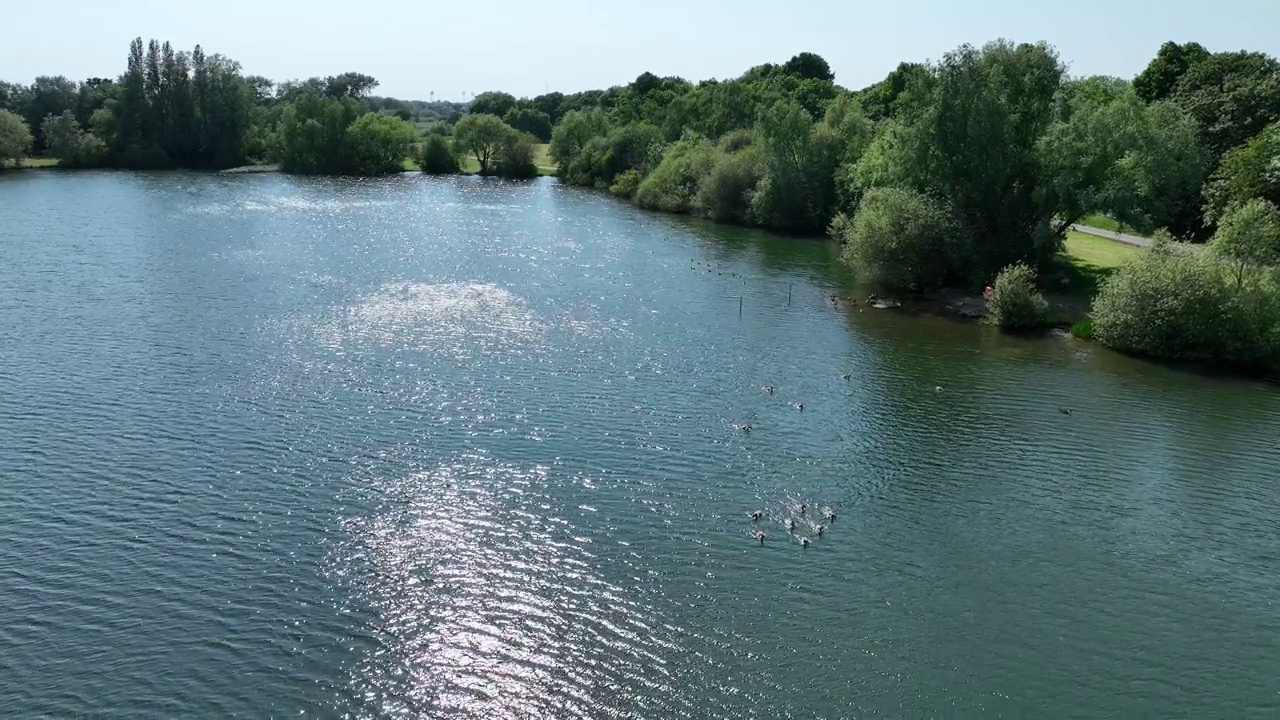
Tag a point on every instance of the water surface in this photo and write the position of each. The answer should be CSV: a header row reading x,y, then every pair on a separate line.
x,y
418,447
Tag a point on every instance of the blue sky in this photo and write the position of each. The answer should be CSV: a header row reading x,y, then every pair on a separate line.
x,y
415,47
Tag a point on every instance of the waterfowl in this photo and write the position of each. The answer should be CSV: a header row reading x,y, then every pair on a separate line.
x,y
757,514
937,388
820,528
829,515
791,525
803,508
767,388
1065,411
804,542
759,535
846,376
800,407
744,427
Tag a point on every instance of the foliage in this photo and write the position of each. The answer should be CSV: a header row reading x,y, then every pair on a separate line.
x,y
482,136
1251,170
378,144
1162,75
1248,239
674,185
1180,306
1015,302
530,121
901,240
727,192
15,138
437,156
515,155
626,184
1109,153
492,103
809,65
72,146
573,132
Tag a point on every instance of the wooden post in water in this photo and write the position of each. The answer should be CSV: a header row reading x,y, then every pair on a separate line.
x,y
739,306
788,294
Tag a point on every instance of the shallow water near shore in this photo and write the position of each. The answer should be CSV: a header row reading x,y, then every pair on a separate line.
x,y
420,447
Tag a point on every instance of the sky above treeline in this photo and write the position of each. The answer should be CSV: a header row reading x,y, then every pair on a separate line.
x,y
456,49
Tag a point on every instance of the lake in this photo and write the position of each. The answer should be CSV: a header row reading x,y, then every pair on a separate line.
x,y
419,447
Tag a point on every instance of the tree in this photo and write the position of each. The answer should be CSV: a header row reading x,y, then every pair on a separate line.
x,y
1248,238
492,103
356,86
379,143
1165,71
787,197
1251,170
15,138
49,96
483,136
313,136
809,65
902,240
574,131
69,143
1112,154
1232,97
531,121
514,158
437,156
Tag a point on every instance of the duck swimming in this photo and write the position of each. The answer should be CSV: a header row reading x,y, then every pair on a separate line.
x,y
791,525
757,514
759,535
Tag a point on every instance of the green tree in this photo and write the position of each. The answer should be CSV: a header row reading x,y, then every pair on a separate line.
x,y
673,186
379,143
1249,171
574,131
492,103
354,85
726,194
482,135
15,138
69,143
1162,75
1248,239
902,240
438,156
48,96
313,136
785,197
811,66
1112,154
514,158
531,121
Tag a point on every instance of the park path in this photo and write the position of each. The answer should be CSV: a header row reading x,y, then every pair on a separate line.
x,y
1127,239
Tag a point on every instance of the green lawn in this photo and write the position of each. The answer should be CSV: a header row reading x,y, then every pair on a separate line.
x,y
1103,222
39,162
470,166
1097,252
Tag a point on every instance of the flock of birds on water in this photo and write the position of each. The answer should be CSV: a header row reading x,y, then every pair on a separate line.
x,y
794,523
804,520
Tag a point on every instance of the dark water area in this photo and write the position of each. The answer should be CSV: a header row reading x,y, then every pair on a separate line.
x,y
425,447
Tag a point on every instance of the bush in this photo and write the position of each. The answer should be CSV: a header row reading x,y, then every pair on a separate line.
x,y
1178,306
1248,239
626,184
1083,329
379,143
1015,302
15,138
901,240
437,156
674,185
726,193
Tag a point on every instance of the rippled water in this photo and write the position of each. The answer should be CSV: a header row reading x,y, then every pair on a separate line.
x,y
419,447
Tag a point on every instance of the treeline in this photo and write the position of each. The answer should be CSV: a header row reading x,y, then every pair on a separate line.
x,y
174,108
954,173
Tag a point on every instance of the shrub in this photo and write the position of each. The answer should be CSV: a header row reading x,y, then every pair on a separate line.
x,y
379,143
15,138
1248,239
437,156
1179,306
1083,329
725,194
674,185
1015,302
901,240
626,184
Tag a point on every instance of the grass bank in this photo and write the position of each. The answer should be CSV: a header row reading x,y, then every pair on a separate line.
x,y
541,158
